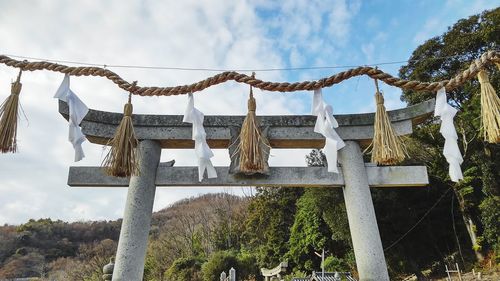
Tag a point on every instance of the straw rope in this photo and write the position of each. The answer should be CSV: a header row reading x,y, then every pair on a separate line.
x,y
490,109
9,112
122,160
468,74
252,143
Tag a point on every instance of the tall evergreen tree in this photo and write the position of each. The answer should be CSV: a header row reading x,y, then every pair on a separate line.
x,y
270,217
320,223
441,58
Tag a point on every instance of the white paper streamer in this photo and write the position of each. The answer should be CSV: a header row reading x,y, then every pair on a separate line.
x,y
201,148
325,124
77,111
450,151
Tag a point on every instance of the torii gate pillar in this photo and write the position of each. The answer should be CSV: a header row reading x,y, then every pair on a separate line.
x,y
129,264
363,226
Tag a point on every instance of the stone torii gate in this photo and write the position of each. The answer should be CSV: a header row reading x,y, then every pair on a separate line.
x,y
156,132
274,273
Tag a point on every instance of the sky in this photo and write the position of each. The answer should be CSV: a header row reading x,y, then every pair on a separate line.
x,y
232,34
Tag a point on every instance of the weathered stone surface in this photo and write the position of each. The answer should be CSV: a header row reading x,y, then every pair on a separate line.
x,y
131,252
368,251
274,271
284,131
389,176
409,113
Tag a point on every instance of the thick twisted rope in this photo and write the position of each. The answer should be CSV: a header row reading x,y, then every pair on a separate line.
x,y
468,74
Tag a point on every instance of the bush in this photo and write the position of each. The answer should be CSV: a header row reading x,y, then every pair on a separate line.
x,y
219,262
244,264
247,266
489,217
333,264
187,269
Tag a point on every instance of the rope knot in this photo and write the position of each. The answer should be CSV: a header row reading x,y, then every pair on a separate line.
x,y
379,98
133,87
482,76
23,66
252,105
16,86
127,109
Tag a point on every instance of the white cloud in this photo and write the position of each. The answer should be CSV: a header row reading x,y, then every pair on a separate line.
x,y
173,33
296,59
339,19
451,10
373,22
311,30
368,50
190,33
470,7
428,30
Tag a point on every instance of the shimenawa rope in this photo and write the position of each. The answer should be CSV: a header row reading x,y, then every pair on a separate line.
x,y
471,72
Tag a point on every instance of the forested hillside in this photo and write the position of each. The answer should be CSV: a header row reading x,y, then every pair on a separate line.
x,y
422,229
78,251
36,247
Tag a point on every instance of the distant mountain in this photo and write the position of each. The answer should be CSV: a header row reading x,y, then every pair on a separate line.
x,y
62,250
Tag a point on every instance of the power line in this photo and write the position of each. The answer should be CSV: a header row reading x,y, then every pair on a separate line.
x,y
418,222
208,69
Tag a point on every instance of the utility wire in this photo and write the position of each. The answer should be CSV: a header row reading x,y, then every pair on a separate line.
x,y
418,222
220,69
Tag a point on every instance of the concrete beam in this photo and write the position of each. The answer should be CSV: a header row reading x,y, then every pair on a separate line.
x,y
284,131
387,176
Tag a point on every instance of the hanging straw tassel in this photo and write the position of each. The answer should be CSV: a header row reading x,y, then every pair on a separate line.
x,y
252,142
490,109
387,148
121,160
9,112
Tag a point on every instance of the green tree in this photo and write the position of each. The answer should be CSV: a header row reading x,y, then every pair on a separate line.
x,y
160,255
188,269
267,227
333,263
441,58
490,212
308,234
243,263
320,222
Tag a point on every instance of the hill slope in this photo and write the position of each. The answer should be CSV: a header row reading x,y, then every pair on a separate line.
x,y
70,251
